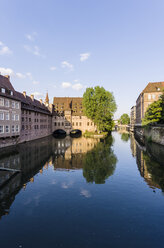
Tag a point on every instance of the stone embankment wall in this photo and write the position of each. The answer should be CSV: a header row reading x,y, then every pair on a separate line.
x,y
150,133
155,134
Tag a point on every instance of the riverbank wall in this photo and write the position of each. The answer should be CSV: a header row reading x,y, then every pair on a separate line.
x,y
153,133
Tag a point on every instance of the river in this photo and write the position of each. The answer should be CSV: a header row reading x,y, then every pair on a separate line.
x,y
81,193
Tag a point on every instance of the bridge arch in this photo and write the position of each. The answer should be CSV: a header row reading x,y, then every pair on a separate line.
x,y
75,133
59,133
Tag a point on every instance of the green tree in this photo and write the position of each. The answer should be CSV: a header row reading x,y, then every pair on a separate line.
x,y
124,119
100,162
99,105
155,112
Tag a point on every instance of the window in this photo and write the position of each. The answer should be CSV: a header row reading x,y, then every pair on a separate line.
x,y
17,117
1,116
13,104
76,123
17,128
17,105
7,103
1,129
149,96
80,123
13,129
3,90
13,117
1,102
11,93
7,129
153,96
87,123
7,117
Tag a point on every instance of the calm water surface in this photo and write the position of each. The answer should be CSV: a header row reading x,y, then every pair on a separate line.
x,y
82,193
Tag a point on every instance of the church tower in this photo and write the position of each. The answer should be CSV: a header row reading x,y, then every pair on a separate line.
x,y
47,100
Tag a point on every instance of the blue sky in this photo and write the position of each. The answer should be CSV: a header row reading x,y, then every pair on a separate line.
x,y
64,46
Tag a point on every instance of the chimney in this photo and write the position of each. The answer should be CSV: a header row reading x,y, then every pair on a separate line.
x,y
41,101
7,76
32,97
24,93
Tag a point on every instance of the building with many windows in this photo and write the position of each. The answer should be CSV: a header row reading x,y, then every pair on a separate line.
x,y
10,113
132,118
22,118
68,115
151,93
36,119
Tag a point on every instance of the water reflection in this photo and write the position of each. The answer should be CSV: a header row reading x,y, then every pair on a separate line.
x,y
150,163
125,137
19,165
100,162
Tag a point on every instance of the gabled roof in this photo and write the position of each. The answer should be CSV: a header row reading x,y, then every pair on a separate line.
x,y
30,104
154,87
5,83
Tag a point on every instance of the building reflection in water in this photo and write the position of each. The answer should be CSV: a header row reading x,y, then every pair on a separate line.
x,y
150,162
19,165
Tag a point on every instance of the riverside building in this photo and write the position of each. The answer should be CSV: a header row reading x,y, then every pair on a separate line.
x,y
10,113
36,119
69,115
151,93
22,118
132,118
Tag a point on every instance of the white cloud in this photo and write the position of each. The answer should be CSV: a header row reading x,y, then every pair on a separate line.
x,y
85,193
6,71
66,64
53,68
20,75
29,75
34,50
35,82
4,50
84,56
66,85
31,37
38,95
77,86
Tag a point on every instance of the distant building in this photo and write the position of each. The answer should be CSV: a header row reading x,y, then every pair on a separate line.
x,y
132,118
10,113
69,115
36,119
151,93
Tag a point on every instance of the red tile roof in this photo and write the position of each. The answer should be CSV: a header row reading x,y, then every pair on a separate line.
x,y
153,87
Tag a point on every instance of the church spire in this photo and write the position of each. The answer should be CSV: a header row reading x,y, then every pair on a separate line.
x,y
47,100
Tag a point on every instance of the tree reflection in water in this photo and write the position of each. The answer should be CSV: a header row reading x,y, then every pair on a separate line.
x,y
150,162
100,162
125,137
156,171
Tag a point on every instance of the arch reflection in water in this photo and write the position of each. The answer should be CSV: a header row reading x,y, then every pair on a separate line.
x,y
150,162
19,165
95,157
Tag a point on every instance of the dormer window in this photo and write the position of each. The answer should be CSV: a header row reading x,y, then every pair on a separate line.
x,y
11,93
3,90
